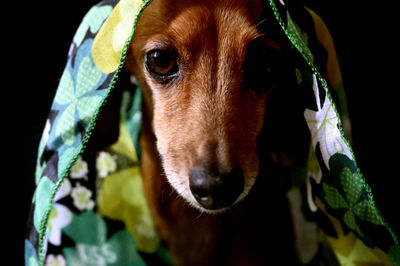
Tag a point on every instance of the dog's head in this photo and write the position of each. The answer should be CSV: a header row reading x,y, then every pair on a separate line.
x,y
206,69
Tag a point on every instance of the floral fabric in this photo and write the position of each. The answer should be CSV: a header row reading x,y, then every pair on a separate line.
x,y
89,206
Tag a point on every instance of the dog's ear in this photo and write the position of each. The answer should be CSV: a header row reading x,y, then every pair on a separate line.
x,y
285,131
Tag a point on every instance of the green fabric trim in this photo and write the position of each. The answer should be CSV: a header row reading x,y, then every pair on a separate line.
x,y
344,110
83,144
299,44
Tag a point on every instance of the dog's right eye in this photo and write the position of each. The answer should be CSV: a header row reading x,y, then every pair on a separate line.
x,y
162,64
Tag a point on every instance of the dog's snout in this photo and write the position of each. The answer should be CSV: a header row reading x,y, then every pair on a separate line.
x,y
213,190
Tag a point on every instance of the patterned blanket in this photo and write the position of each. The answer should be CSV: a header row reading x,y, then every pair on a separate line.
x,y
89,206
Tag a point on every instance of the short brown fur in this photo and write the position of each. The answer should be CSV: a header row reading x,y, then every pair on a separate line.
x,y
207,115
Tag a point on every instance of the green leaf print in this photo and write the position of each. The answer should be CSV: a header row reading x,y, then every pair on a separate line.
x,y
93,20
31,258
78,102
89,231
42,198
77,97
352,201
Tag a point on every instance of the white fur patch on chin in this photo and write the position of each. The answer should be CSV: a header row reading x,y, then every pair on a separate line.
x,y
183,190
181,187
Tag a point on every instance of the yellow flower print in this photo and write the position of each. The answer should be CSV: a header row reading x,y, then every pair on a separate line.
x,y
121,196
110,40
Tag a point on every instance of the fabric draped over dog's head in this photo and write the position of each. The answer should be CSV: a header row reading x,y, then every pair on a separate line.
x,y
89,206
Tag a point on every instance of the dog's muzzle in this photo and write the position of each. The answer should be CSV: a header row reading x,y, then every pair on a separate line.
x,y
213,190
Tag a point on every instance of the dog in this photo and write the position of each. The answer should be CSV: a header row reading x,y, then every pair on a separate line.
x,y
212,174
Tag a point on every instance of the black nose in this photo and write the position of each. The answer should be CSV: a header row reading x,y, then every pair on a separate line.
x,y
213,190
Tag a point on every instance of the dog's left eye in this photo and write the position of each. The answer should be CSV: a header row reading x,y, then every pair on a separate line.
x,y
263,64
162,64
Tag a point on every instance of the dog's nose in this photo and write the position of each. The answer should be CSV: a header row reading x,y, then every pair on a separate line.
x,y
213,190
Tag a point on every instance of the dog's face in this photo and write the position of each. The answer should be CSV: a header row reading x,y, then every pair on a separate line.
x,y
205,69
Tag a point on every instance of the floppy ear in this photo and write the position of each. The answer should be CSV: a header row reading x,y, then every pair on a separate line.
x,y
285,130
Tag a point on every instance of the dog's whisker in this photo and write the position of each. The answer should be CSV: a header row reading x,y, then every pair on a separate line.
x,y
171,193
200,214
261,22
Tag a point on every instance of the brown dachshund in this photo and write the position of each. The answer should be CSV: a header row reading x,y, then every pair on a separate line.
x,y
207,70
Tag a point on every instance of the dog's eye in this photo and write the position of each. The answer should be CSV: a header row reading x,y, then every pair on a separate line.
x,y
262,65
162,64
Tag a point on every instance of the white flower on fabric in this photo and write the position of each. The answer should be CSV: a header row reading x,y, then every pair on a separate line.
x,y
63,191
323,125
53,260
60,216
79,169
46,131
105,164
82,198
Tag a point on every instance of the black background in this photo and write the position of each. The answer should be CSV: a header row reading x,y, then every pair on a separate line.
x,y
37,45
